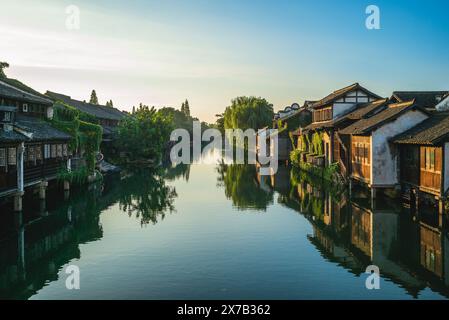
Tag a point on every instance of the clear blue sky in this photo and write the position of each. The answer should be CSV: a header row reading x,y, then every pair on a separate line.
x,y
161,52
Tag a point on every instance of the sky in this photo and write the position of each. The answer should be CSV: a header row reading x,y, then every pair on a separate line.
x,y
211,51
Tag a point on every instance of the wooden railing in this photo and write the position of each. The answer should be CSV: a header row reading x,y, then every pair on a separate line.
x,y
42,171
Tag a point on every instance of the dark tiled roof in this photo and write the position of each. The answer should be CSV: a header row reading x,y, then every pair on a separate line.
x,y
423,99
365,109
99,111
366,125
40,130
320,125
340,93
11,136
360,111
429,132
8,108
13,89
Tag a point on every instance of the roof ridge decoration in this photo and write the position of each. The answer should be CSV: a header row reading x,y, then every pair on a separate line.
x,y
402,103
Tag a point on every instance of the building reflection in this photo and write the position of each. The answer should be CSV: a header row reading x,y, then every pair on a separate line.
x,y
410,248
36,244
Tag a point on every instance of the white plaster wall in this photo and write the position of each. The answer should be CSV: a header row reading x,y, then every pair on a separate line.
x,y
443,105
340,109
384,159
446,166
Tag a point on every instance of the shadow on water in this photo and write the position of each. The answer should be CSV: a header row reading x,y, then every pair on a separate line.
x,y
410,249
36,243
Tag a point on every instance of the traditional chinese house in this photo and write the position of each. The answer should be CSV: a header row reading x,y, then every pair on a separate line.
x,y
374,159
31,150
107,117
327,113
424,151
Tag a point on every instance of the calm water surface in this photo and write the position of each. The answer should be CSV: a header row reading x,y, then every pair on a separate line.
x,y
215,231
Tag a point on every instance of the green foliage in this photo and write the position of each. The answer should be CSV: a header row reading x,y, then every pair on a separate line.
x,y
302,143
248,112
93,97
144,134
185,108
219,123
3,65
76,177
295,157
240,186
90,140
109,104
86,136
317,143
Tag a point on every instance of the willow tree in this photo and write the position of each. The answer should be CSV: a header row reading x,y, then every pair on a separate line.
x,y
248,112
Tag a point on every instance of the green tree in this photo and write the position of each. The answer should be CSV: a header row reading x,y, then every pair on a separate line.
x,y
109,104
93,97
3,65
248,112
144,134
186,108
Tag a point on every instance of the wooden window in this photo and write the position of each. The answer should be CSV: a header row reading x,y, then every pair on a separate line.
x,y
38,151
12,156
2,157
59,148
31,156
47,151
361,154
429,159
64,150
53,151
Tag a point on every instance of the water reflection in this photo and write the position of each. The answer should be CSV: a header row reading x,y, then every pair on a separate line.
x,y
240,185
147,196
357,231
37,243
350,231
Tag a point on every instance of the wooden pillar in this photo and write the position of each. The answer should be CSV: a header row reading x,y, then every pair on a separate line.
x,y
18,202
20,152
440,213
373,198
42,190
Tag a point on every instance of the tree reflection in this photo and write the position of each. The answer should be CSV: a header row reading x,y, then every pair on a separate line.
x,y
146,196
239,181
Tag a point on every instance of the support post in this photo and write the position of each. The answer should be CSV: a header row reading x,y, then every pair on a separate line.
x,y
373,198
20,152
42,190
18,202
440,212
66,185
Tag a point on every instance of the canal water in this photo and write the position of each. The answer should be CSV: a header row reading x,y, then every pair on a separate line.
x,y
220,231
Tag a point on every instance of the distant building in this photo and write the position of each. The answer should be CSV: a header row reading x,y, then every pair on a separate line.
x,y
108,117
423,99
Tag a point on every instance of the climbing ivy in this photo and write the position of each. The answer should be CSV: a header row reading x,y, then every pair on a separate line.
x,y
86,133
